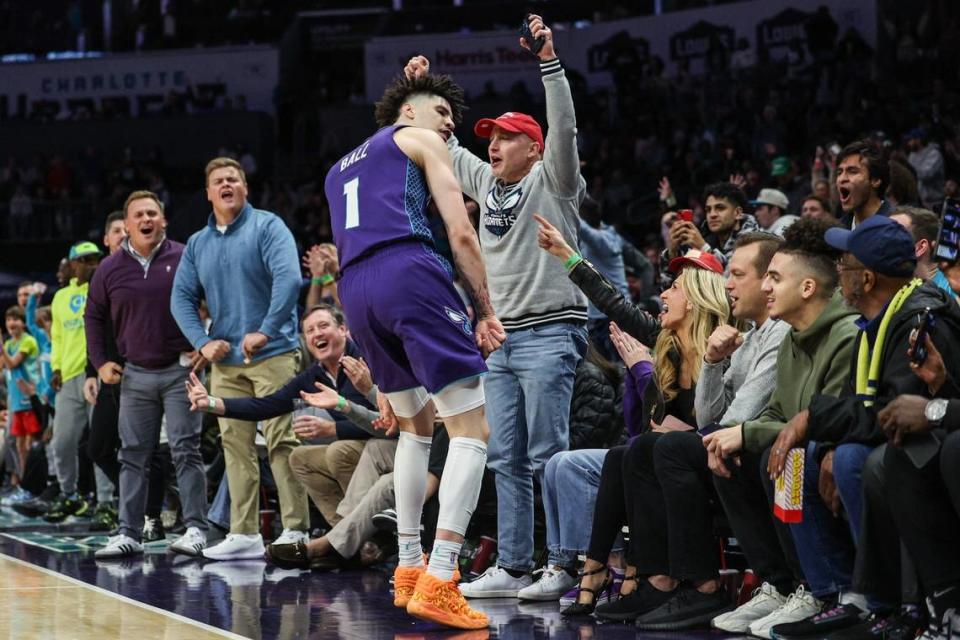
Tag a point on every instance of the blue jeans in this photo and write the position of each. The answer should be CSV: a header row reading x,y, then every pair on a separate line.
x,y
570,484
825,544
528,394
848,461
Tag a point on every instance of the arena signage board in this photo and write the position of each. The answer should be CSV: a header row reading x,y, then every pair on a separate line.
x,y
251,72
480,61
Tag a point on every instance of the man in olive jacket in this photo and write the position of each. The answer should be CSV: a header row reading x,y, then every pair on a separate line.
x,y
813,358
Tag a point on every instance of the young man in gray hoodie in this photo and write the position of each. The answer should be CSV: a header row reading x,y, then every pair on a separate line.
x,y
530,378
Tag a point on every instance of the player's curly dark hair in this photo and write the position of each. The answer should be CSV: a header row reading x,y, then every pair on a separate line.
x,y
804,240
387,110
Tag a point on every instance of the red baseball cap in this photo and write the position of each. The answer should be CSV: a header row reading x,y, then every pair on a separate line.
x,y
698,259
511,121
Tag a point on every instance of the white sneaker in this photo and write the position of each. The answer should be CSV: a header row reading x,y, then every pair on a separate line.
x,y
766,599
191,543
495,583
236,546
292,536
553,583
119,546
799,606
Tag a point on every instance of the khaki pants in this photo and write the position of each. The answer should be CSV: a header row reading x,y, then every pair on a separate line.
x,y
325,470
240,454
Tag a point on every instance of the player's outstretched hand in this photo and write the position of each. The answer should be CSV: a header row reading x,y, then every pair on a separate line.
x,y
490,335
388,420
417,67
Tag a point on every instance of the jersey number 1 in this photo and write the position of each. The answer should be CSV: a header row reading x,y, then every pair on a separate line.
x,y
352,191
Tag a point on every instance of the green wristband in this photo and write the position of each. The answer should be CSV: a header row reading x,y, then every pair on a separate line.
x,y
211,404
572,261
341,403
316,280
326,279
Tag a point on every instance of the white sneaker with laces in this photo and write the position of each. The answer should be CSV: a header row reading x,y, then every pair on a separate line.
x,y
799,606
553,583
190,543
495,583
119,546
236,546
766,599
292,536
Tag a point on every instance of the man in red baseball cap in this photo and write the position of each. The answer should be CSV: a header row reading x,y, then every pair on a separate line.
x,y
542,311
516,144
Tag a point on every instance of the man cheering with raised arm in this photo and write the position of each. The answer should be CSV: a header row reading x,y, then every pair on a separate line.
x,y
530,378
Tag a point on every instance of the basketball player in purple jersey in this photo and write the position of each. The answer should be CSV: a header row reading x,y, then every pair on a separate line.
x,y
412,327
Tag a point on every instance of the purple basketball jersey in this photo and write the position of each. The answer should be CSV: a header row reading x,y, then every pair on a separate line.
x,y
377,197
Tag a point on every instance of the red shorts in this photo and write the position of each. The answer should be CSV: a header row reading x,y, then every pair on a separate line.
x,y
24,423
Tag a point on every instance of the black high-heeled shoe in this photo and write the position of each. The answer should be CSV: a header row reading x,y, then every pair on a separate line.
x,y
586,608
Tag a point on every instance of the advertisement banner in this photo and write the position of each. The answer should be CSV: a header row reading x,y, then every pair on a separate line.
x,y
779,29
251,72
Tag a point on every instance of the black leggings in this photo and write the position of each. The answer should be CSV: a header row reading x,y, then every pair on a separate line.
x,y
610,510
661,487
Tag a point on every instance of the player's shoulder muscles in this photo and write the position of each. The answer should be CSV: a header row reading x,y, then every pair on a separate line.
x,y
418,144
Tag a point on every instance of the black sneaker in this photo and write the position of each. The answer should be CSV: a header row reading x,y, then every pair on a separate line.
x,y
645,598
32,508
386,520
688,608
65,507
842,616
903,626
104,518
152,530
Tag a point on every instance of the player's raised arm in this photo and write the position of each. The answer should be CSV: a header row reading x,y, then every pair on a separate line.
x,y
428,150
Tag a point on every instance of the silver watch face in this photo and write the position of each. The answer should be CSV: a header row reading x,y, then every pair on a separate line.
x,y
935,410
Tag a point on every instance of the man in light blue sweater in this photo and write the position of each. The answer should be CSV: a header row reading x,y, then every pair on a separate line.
x,y
244,262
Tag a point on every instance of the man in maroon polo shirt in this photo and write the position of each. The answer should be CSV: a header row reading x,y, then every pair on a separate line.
x,y
132,288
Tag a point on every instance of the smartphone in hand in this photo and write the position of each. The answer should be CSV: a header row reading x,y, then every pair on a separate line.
x,y
924,325
535,44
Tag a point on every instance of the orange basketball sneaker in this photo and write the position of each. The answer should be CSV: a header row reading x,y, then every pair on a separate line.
x,y
440,601
404,582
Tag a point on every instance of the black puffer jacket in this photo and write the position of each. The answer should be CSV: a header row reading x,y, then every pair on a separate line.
x,y
596,408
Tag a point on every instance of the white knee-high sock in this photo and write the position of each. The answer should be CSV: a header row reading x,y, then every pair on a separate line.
x,y
459,491
410,487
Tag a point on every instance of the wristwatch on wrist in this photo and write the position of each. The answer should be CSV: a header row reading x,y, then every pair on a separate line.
x,y
935,410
